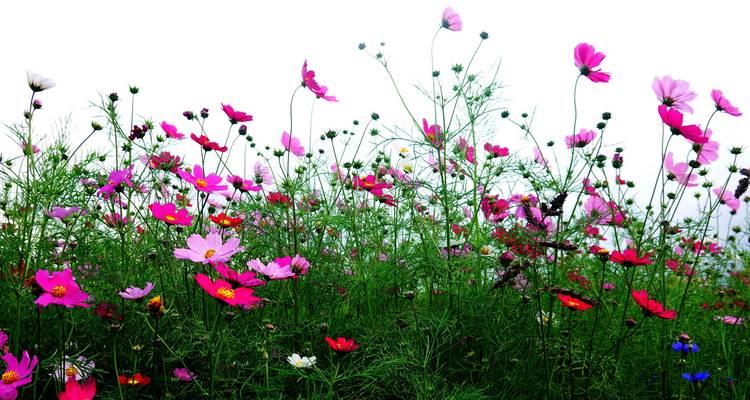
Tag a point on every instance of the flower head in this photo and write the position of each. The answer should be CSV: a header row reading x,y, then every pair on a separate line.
x,y
308,81
679,172
586,59
629,258
168,213
728,199
207,144
60,288
697,377
171,131
272,270
292,144
77,391
134,380
223,291
342,345
17,373
301,362
62,213
674,118
581,139
298,264
136,293
235,116
722,104
674,93
3,338
38,83
203,183
433,133
247,278
75,369
243,185
574,302
210,249
451,20
652,307
183,375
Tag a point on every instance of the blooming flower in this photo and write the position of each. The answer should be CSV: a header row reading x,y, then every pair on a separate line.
x,y
168,213
308,81
225,221
235,116
17,373
183,375
76,369
278,198
116,181
292,144
674,93
722,104
298,264
262,174
707,152
62,212
207,144
451,20
272,270
681,347
629,258
496,150
433,133
696,377
728,199
204,183
602,212
77,391
581,139
573,302
136,293
652,307
673,119
210,249
134,380
586,59
60,288
679,172
171,131
243,185
731,320
29,150
301,362
223,290
247,278
342,345
38,83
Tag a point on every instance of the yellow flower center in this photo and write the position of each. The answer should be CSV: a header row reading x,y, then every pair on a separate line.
x,y
201,183
58,291
133,381
170,218
71,372
155,302
603,251
209,253
226,222
525,198
299,363
10,376
225,293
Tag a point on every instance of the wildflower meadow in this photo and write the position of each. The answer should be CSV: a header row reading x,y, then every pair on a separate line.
x,y
415,256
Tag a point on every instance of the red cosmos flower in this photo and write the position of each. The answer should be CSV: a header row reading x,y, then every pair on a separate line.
x,y
652,307
673,119
629,258
574,303
165,162
371,184
135,380
207,144
278,198
225,221
235,116
342,345
224,291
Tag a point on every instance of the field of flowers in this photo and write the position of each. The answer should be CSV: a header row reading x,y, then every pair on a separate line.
x,y
330,266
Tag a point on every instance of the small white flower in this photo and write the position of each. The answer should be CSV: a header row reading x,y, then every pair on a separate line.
x,y
38,83
78,368
301,362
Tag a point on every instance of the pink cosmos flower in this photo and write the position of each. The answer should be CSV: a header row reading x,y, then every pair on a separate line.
x,y
602,212
204,183
183,375
29,150
586,59
673,119
730,320
679,172
62,212
223,291
539,157
722,104
292,144
136,293
674,93
235,116
116,181
272,270
262,174
581,139
171,131
247,278
77,391
3,339
496,150
451,20
708,152
60,288
433,133
17,373
241,184
298,264
727,198
210,249
168,213
308,81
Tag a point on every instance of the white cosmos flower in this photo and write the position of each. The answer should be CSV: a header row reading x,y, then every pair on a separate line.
x,y
301,362
37,83
78,368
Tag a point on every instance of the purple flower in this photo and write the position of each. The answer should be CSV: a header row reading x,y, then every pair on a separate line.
x,y
62,212
183,375
3,338
135,293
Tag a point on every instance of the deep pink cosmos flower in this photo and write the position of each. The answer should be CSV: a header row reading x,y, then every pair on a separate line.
x,y
241,184
308,81
60,288
586,59
271,270
708,152
727,198
62,212
3,338
116,181
679,172
136,293
299,264
183,375
235,116
170,214
674,93
496,150
164,161
247,278
207,144
77,391
629,258
204,183
292,144
451,20
433,133
17,373
581,139
673,119
342,345
210,249
652,307
722,104
171,131
223,291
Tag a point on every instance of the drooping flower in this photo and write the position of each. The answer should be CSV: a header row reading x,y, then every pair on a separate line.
x,y
496,150
673,118
272,270
183,375
247,278
708,152
223,291
62,213
207,144
451,20
243,185
629,258
204,183
77,391
652,307
433,133
292,144
581,139
210,249
135,380
170,214
301,362
697,377
308,81
235,116
586,59
75,369
574,302
298,264
17,373
722,104
171,131
262,174
728,199
60,288
674,93
38,83
679,172
136,293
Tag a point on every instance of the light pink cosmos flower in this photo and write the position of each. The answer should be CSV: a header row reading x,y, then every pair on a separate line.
x,y
60,288
539,157
451,20
730,320
299,264
183,375
271,270
136,293
722,104
679,172
581,139
61,213
235,116
602,212
171,131
17,373
308,81
673,119
204,183
292,144
586,59
727,199
210,249
709,152
29,150
674,93
262,175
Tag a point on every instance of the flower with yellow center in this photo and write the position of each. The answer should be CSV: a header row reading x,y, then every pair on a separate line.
x,y
10,376
209,253
225,293
201,183
58,291
170,218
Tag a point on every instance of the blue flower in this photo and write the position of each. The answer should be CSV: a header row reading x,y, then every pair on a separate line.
x,y
685,347
696,377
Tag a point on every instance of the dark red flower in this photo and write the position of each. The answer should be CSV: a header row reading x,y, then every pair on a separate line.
x,y
135,380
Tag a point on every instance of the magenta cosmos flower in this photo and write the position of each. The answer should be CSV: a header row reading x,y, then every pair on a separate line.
x,y
136,293
242,184
292,144
272,270
722,104
60,288
679,172
77,391
210,249
298,264
116,181
581,139
586,59
433,133
247,278
183,375
224,291
674,93
171,131
62,212
204,183
235,116
17,373
673,119
170,214
450,20
308,81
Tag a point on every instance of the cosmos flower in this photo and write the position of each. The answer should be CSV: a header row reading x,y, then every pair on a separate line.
x,y
722,104
730,320
225,221
3,338
708,152
76,369
223,291
247,278
62,213
272,270
342,345
586,59
298,264
135,380
652,307
183,375
60,288
243,185
38,83
581,139
573,302
235,116
679,172
496,150
301,362
450,20
168,213
308,81
115,182
629,258
292,144
204,183
602,212
210,249
171,131
136,293
727,198
17,373
433,133
207,144
674,118
77,391
674,93
262,175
